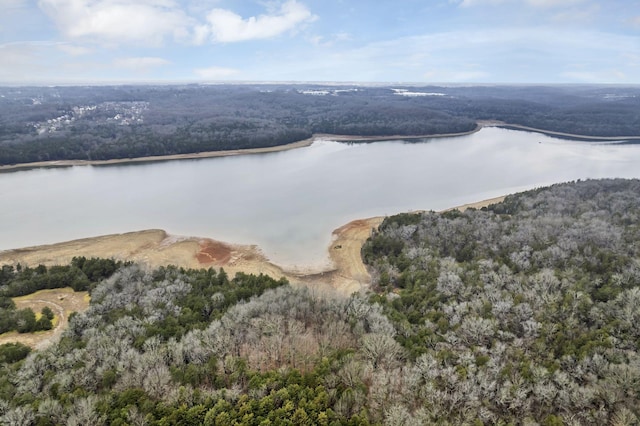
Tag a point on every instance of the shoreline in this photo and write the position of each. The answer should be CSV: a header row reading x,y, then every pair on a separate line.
x,y
346,273
570,136
224,153
480,124
156,158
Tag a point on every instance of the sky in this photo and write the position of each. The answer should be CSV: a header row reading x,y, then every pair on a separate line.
x,y
411,41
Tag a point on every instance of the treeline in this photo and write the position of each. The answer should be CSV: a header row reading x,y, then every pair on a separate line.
x,y
99,123
81,275
24,320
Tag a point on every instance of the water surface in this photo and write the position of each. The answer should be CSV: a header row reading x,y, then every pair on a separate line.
x,y
289,202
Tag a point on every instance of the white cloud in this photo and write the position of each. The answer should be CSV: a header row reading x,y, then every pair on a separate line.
x,y
74,50
552,3
143,21
215,73
455,76
534,3
332,39
21,59
227,26
11,4
508,55
603,76
470,3
140,63
584,14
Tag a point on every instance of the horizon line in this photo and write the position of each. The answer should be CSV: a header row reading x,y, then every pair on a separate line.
x,y
293,83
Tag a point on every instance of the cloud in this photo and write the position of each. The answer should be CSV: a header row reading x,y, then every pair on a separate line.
x,y
11,4
141,64
24,59
552,3
602,76
143,21
215,73
471,3
584,14
226,26
73,50
540,54
332,39
534,3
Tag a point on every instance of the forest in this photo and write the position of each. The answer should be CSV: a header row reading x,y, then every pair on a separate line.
x,y
114,122
524,312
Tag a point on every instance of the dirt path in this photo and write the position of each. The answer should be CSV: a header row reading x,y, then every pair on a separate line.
x,y
61,301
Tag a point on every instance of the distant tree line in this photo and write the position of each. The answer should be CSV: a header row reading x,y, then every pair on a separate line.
x,y
99,123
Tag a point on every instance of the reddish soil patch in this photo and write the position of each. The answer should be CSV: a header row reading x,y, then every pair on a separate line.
x,y
213,252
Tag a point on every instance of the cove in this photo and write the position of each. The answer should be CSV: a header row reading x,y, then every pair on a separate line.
x,y
288,202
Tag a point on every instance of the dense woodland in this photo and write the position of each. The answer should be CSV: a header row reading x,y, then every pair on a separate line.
x,y
522,313
98,123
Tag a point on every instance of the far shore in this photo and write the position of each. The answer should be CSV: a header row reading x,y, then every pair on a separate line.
x,y
300,144
573,136
156,158
225,153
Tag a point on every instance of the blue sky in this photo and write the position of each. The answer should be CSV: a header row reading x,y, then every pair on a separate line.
x,y
420,41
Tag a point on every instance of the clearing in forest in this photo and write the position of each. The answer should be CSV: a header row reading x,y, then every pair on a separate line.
x,y
62,302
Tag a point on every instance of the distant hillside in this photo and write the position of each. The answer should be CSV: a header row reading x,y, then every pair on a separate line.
x,y
103,122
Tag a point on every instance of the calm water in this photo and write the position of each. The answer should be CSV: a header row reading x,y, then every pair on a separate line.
x,y
289,202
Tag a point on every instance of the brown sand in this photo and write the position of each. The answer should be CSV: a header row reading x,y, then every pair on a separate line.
x,y
155,248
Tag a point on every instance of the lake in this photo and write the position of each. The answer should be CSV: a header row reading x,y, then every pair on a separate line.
x,y
289,202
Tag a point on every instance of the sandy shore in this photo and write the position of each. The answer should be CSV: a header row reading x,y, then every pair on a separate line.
x,y
155,248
